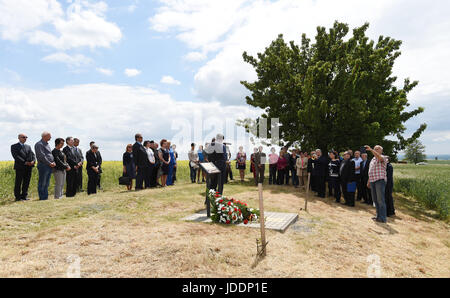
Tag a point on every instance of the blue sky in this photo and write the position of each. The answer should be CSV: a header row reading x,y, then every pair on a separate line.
x,y
104,70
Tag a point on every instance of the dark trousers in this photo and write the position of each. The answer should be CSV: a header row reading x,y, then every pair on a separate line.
x,y
154,176
230,171
174,174
294,176
365,192
281,176
193,173
313,182
334,188
141,176
359,187
80,179
148,176
22,183
260,174
349,197
98,179
286,176
390,210
320,180
218,180
273,174
71,183
92,182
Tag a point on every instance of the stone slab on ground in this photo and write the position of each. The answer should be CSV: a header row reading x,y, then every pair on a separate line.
x,y
274,220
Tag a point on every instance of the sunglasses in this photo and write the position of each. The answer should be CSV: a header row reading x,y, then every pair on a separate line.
x,y
24,137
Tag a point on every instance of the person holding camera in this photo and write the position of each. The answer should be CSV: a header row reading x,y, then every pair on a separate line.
x,y
377,181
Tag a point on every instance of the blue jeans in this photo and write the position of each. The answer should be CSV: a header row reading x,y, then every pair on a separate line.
x,y
45,173
378,192
294,177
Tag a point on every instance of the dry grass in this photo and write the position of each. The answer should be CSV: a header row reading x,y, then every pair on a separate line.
x,y
129,234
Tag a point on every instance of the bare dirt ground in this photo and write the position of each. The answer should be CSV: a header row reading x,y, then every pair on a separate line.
x,y
141,234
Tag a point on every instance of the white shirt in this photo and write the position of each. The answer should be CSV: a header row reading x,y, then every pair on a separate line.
x,y
150,154
358,162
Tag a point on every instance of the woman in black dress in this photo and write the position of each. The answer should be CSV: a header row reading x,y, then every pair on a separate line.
x,y
129,168
164,157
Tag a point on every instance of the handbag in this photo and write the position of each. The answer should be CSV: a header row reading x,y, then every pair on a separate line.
x,y
351,187
124,180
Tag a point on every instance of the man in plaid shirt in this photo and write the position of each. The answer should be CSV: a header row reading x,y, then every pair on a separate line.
x,y
377,181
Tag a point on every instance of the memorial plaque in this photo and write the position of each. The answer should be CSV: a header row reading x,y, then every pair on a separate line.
x,y
273,220
210,168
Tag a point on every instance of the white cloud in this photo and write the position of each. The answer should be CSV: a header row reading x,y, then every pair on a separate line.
x,y
223,30
83,24
105,71
76,60
12,75
195,56
115,112
132,72
169,80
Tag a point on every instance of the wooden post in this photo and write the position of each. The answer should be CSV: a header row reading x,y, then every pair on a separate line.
x,y
307,192
207,202
261,220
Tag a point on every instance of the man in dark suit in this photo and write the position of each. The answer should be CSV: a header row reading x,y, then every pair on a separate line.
x,y
74,163
260,165
24,160
93,169
140,160
390,210
76,143
347,174
99,160
217,154
365,194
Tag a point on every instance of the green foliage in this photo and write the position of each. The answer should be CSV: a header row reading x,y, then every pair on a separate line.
x,y
415,152
429,185
336,93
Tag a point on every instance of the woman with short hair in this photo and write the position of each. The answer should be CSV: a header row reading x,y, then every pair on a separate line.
x,y
59,171
164,157
241,160
129,168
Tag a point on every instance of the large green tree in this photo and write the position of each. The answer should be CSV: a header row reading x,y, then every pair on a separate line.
x,y
415,152
338,92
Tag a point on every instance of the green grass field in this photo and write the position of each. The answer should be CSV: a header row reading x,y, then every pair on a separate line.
x,y
429,184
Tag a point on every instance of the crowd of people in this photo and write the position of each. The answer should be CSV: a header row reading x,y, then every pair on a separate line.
x,y
64,162
150,164
350,176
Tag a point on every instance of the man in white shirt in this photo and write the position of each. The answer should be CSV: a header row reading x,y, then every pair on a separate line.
x,y
193,162
151,161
